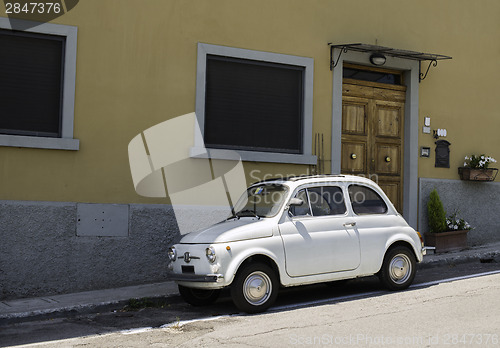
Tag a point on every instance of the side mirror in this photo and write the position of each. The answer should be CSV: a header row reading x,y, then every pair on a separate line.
x,y
295,202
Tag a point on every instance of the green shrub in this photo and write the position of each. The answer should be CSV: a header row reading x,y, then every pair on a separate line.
x,y
437,215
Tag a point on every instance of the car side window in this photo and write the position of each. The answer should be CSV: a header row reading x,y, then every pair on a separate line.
x,y
364,200
303,209
327,200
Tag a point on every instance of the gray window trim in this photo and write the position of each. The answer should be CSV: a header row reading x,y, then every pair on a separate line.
x,y
66,142
257,156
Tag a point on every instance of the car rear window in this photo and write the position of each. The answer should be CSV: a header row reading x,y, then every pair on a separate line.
x,y
364,200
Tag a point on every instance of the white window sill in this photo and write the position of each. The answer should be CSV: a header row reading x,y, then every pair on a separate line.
x,y
253,156
39,142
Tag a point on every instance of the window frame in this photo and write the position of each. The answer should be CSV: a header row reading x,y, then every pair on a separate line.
x,y
66,140
312,215
198,150
341,191
374,191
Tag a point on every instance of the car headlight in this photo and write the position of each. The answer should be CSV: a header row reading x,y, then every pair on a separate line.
x,y
210,251
172,254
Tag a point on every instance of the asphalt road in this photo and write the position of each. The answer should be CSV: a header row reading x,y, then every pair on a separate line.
x,y
121,327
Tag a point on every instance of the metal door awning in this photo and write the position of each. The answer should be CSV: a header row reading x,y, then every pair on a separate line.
x,y
393,52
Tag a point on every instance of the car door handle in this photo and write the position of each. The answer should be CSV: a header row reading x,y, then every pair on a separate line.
x,y
350,224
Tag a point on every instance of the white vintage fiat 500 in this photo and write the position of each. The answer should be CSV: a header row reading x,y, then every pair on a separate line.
x,y
296,231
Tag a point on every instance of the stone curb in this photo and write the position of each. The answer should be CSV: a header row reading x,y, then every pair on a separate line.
x,y
74,310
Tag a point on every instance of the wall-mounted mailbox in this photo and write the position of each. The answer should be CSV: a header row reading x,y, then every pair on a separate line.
x,y
425,151
442,154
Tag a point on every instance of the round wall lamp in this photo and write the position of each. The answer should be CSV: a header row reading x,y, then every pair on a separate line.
x,y
377,59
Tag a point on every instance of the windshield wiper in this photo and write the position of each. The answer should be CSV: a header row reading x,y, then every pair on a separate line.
x,y
252,212
233,216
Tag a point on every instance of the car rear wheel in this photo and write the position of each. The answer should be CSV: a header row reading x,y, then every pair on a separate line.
x,y
398,269
254,288
198,297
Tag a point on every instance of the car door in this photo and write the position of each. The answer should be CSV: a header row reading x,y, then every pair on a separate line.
x,y
317,235
373,223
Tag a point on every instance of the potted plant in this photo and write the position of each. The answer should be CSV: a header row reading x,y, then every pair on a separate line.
x,y
445,233
477,168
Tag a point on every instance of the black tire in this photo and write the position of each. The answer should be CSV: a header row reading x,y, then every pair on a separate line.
x,y
398,269
255,288
198,297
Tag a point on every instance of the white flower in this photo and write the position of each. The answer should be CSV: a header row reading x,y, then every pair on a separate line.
x,y
465,164
482,157
455,227
466,157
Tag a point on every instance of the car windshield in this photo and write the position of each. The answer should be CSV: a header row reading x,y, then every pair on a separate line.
x,y
260,201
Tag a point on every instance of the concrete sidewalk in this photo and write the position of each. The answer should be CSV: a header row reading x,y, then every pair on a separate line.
x,y
108,299
81,302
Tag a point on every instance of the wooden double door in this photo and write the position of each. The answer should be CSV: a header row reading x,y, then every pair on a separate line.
x,y
372,134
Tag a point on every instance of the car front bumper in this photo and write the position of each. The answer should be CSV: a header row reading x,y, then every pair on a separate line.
x,y
197,278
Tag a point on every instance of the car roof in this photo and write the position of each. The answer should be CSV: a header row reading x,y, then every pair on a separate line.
x,y
300,179
295,181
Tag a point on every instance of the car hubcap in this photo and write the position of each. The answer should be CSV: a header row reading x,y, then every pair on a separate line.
x,y
400,269
257,288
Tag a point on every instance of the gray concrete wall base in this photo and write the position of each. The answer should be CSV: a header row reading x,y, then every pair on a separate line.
x,y
42,254
477,202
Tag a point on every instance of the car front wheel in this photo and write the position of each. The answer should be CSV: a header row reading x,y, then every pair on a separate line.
x,y
198,297
398,269
254,288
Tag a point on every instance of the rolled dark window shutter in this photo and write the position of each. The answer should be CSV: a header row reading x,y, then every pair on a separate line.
x,y
253,105
31,75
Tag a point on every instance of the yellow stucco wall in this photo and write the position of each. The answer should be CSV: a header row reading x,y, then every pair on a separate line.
x,y
136,67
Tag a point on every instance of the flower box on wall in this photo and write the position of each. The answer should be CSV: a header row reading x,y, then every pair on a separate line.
x,y
447,241
477,174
